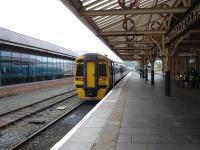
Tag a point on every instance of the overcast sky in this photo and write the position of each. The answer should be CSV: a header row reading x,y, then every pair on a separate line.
x,y
51,21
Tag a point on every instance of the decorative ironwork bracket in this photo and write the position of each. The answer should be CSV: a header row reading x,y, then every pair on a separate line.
x,y
173,46
158,40
190,17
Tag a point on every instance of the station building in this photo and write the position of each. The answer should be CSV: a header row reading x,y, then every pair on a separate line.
x,y
25,60
136,114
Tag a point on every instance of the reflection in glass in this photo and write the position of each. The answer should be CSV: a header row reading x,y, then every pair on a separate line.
x,y
16,67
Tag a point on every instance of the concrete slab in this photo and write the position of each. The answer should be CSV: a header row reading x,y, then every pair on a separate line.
x,y
131,146
76,146
125,138
163,147
85,135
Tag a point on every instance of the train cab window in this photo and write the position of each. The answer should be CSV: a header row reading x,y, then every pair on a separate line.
x,y
102,70
79,70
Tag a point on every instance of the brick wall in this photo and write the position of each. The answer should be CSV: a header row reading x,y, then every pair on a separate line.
x,y
23,88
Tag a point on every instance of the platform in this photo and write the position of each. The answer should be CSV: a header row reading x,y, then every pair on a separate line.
x,y
138,116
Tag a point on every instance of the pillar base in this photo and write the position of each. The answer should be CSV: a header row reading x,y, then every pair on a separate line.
x,y
167,84
143,74
152,77
146,75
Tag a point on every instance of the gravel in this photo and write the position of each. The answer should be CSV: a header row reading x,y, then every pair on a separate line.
x,y
52,135
21,130
13,102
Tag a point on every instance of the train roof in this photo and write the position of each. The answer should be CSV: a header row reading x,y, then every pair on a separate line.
x,y
97,55
16,39
92,54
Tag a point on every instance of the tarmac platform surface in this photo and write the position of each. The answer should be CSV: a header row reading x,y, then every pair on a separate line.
x,y
138,116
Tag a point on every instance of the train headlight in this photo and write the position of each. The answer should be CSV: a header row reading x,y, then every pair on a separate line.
x,y
79,79
102,78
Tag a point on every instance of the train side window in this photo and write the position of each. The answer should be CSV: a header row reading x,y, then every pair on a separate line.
x,y
79,70
102,70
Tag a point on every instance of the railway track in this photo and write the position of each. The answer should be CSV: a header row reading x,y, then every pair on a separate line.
x,y
13,122
17,146
11,117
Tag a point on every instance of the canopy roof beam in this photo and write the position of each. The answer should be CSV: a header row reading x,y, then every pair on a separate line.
x,y
123,33
130,48
132,11
132,42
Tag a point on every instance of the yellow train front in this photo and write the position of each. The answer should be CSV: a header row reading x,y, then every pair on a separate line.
x,y
95,74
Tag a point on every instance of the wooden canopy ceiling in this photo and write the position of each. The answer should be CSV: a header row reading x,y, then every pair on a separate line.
x,y
127,26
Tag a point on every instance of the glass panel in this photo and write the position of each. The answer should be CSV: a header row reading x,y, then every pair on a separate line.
x,y
38,66
102,70
24,65
6,70
79,70
62,67
72,67
16,64
45,66
65,67
69,67
6,63
20,67
54,67
50,66
58,66
31,67
0,71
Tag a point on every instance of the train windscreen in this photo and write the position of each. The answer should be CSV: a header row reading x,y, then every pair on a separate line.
x,y
79,70
102,70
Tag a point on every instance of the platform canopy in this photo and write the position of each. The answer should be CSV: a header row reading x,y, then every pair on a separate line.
x,y
135,29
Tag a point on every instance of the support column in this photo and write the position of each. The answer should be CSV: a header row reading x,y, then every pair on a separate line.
x,y
152,73
167,68
167,83
152,77
143,73
163,68
143,70
146,70
197,61
167,75
140,69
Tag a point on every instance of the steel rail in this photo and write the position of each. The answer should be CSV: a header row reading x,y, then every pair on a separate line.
x,y
35,112
17,146
6,113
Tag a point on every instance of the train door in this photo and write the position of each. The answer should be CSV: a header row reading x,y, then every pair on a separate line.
x,y
90,85
90,75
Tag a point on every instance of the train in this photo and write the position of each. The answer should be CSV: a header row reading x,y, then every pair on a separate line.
x,y
95,75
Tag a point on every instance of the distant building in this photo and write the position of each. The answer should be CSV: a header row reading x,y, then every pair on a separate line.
x,y
25,59
131,65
